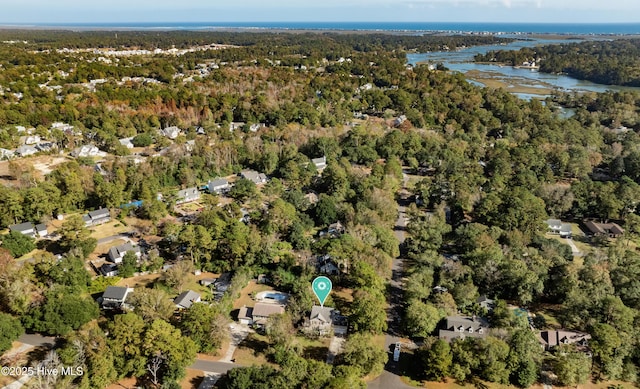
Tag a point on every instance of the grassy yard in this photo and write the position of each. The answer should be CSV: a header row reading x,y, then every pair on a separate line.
x,y
111,228
251,351
140,281
246,294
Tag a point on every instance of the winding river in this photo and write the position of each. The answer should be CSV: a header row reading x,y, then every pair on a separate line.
x,y
462,61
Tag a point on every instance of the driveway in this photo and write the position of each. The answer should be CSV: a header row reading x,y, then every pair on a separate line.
x,y
334,348
574,249
239,332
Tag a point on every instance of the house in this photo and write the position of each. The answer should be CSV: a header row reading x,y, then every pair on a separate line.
x,y
236,126
187,195
320,163
99,216
25,151
219,185
6,154
87,151
325,320
41,230
558,227
256,126
108,270
455,327
24,228
116,253
611,230
399,120
254,176
334,230
115,297
325,265
553,338
186,299
30,139
46,146
127,142
486,303
245,315
208,281
171,132
262,312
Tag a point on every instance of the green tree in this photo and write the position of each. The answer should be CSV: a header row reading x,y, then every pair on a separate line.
x,y
436,359
126,335
361,351
10,330
18,244
422,318
368,311
175,352
152,304
206,326
129,264
572,367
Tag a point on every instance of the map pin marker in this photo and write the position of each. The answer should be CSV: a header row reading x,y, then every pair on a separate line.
x,y
321,288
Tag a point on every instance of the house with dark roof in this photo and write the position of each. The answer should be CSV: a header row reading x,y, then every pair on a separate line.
x,y
611,230
23,228
115,297
454,327
326,320
486,303
186,299
553,338
556,226
25,151
219,185
41,230
117,253
99,216
108,269
187,195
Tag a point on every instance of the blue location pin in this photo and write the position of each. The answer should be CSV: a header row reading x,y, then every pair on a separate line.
x,y
321,288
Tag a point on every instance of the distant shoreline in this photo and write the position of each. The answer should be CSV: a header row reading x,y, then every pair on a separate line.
x,y
449,28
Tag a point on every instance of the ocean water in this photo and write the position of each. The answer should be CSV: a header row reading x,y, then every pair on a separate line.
x,y
495,28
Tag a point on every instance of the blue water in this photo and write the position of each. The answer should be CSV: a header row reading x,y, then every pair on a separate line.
x,y
557,28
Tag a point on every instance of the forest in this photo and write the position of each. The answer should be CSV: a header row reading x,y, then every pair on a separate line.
x,y
482,168
609,62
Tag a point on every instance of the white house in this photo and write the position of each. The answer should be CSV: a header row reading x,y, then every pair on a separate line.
x,y
558,227
320,163
41,230
115,297
99,216
6,154
116,253
24,228
126,142
171,132
30,139
87,151
219,185
26,150
187,195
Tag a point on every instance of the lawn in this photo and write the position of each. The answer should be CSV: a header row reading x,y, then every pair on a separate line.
x,y
111,228
140,281
246,294
251,351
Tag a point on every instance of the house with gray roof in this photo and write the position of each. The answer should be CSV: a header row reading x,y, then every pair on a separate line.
x,y
326,320
6,154
556,226
455,327
24,228
219,185
115,297
186,299
25,151
117,253
187,195
254,176
262,312
320,163
99,216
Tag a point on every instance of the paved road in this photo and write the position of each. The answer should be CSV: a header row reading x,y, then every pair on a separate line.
x,y
212,366
108,239
37,340
389,378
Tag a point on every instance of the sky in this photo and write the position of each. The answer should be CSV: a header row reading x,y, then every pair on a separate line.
x,y
131,11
